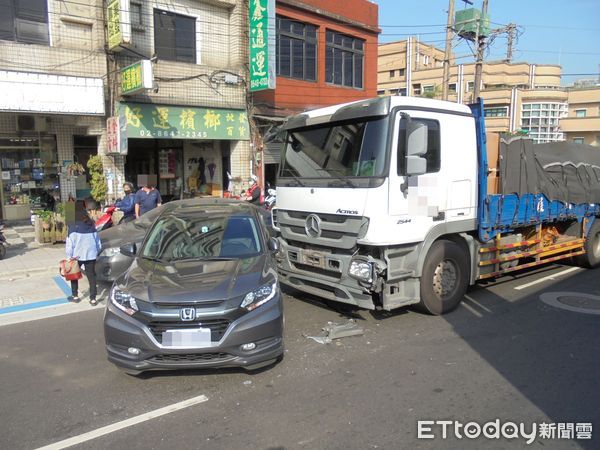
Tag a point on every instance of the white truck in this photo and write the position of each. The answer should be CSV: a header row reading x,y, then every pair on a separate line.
x,y
384,203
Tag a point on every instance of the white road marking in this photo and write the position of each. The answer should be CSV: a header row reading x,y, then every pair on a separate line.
x,y
470,308
125,423
549,277
472,300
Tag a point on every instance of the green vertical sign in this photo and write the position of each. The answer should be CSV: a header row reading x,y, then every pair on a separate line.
x,y
115,37
262,44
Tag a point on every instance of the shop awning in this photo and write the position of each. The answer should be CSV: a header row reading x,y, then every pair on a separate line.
x,y
152,121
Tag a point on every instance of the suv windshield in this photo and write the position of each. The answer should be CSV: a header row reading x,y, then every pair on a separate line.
x,y
174,238
332,153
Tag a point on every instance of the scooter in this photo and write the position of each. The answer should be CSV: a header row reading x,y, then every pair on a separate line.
x,y
105,221
3,243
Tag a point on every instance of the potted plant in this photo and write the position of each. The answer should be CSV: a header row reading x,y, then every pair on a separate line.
x,y
46,218
98,180
75,169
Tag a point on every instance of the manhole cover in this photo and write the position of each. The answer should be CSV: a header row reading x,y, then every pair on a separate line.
x,y
573,301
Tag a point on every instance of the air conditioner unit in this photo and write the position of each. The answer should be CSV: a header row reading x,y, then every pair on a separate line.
x,y
31,123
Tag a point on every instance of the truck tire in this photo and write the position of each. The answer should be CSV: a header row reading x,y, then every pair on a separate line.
x,y
445,278
591,258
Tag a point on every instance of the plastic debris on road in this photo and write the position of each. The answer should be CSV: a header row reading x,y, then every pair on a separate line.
x,y
335,330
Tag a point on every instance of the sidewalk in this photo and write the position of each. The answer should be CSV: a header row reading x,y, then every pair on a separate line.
x,y
25,261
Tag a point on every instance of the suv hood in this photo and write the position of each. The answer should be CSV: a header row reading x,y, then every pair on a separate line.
x,y
195,281
122,234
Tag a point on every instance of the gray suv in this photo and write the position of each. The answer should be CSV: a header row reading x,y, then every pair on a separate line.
x,y
202,291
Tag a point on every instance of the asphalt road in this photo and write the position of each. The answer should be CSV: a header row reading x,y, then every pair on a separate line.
x,y
503,355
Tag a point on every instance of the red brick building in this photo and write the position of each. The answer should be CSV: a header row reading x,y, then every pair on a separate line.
x,y
326,54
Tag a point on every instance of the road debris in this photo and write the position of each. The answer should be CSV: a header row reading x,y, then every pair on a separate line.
x,y
335,330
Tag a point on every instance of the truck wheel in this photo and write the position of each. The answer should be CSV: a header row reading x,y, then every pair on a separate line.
x,y
591,258
445,278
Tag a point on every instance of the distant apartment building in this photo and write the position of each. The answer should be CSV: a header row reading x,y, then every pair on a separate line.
x,y
326,53
582,124
190,129
517,96
52,102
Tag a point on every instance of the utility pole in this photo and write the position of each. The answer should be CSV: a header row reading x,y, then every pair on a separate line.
x,y
449,32
511,31
480,51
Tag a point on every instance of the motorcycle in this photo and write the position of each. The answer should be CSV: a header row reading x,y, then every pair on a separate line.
x,y
3,243
105,221
270,199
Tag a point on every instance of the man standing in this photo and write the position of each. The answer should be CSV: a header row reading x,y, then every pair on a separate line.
x,y
147,198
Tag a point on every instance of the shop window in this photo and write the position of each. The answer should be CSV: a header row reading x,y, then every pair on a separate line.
x,y
296,49
24,21
174,36
29,174
344,60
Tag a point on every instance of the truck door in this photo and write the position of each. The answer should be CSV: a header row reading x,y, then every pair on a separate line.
x,y
418,200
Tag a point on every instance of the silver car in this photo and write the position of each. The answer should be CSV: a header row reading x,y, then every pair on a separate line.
x,y
202,291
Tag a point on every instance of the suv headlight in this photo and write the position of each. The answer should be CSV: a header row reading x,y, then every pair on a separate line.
x,y
259,296
361,270
124,301
110,251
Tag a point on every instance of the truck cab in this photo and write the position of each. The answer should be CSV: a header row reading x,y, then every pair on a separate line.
x,y
364,191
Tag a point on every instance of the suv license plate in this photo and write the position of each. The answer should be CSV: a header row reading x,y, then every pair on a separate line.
x,y
196,337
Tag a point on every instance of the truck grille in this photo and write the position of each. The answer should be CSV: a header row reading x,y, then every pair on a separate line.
x,y
337,231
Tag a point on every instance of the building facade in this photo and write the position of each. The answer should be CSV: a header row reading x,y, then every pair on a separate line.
x,y
517,96
582,124
190,130
52,107
326,53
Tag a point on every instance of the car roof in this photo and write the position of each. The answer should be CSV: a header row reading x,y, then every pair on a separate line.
x,y
208,205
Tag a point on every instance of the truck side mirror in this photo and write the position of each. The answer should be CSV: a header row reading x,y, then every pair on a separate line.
x,y
416,147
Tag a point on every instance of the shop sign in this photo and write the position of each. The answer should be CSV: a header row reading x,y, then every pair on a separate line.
x,y
262,44
116,131
136,77
40,93
183,122
119,24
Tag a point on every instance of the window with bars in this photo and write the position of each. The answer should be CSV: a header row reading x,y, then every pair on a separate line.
x,y
24,21
344,60
174,36
541,121
296,49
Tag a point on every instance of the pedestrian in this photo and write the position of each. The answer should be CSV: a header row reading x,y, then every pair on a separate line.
x,y
146,199
83,244
127,204
253,192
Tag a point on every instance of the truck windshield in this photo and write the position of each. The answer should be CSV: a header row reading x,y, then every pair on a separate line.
x,y
331,154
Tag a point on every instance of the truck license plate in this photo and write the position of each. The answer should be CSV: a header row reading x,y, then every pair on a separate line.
x,y
314,259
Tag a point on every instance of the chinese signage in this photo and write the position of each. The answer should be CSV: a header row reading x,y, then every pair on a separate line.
x,y
136,77
116,134
262,44
119,24
180,122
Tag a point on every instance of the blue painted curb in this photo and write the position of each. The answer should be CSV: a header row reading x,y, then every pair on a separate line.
x,y
60,282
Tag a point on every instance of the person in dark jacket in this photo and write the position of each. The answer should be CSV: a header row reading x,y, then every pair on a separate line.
x,y
146,199
83,244
127,204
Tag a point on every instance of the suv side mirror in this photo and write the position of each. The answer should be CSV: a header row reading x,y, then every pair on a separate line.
x,y
129,249
273,245
416,147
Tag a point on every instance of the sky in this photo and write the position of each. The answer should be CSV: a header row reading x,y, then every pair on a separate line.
x,y
563,32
